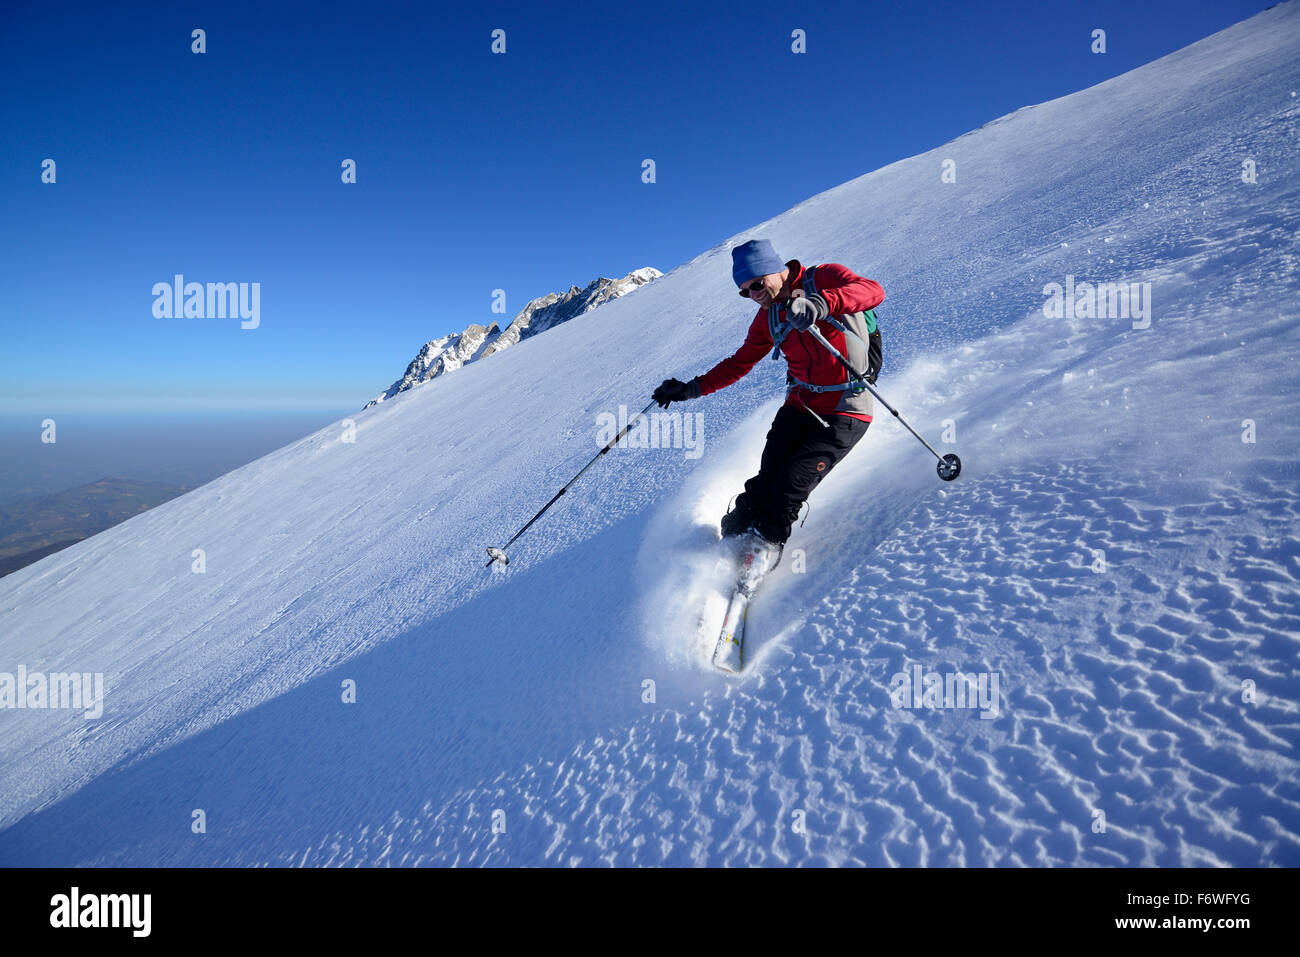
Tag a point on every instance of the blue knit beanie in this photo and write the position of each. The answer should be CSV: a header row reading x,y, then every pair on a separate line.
x,y
752,259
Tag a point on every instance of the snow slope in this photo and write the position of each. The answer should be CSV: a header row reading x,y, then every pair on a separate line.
x,y
1147,709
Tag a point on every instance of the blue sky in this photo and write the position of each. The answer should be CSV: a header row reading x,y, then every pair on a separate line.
x,y
475,171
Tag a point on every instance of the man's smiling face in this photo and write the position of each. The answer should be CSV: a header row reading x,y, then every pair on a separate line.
x,y
764,290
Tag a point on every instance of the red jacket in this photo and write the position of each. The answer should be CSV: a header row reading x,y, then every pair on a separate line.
x,y
844,292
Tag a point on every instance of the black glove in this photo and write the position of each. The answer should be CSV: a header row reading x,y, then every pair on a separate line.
x,y
805,310
674,390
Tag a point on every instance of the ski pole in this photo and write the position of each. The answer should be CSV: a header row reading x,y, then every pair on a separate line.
x,y
949,466
499,554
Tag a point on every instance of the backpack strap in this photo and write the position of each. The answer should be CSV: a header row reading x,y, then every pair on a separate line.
x,y
809,281
778,329
850,386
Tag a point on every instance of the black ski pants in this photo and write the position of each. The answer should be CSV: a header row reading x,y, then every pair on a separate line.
x,y
799,453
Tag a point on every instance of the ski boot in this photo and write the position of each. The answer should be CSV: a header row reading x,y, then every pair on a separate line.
x,y
735,523
757,557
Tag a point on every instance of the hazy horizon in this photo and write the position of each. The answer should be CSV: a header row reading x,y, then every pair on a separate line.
x,y
183,448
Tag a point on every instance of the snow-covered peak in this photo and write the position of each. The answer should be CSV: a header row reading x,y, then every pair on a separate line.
x,y
449,353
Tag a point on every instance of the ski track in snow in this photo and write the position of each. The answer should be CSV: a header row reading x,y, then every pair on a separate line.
x,y
1113,551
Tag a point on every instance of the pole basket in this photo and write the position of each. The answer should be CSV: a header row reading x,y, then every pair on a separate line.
x,y
949,468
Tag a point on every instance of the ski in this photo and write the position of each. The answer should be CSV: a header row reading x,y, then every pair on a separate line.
x,y
757,557
729,655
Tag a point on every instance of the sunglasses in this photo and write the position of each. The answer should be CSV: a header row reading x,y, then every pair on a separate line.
x,y
754,286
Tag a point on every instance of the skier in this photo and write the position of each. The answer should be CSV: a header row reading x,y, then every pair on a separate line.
x,y
824,415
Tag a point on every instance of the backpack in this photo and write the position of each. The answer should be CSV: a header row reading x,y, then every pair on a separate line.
x,y
875,355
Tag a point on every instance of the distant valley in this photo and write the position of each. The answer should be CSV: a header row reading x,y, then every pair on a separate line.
x,y
32,529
